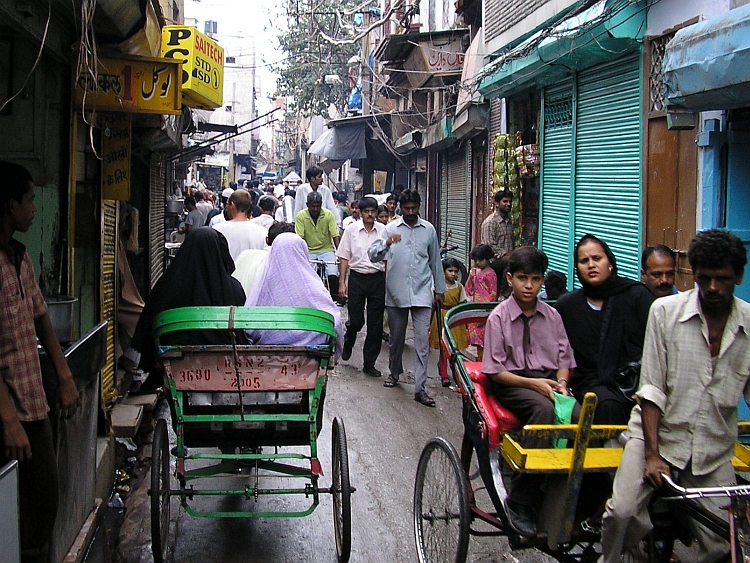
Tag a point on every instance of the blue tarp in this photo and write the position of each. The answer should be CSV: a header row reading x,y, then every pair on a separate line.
x,y
707,65
343,142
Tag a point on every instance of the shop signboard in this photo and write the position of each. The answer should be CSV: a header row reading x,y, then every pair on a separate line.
x,y
135,85
435,63
116,130
202,65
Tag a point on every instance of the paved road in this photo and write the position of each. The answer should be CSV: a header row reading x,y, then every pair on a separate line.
x,y
386,430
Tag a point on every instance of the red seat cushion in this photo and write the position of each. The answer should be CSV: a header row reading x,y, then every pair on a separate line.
x,y
498,418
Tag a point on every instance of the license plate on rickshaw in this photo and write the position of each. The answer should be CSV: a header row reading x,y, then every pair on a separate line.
x,y
216,372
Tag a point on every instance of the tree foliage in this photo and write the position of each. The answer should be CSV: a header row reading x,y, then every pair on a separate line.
x,y
309,56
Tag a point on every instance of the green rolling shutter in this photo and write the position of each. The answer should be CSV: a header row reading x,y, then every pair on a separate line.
x,y
457,219
591,165
608,159
557,151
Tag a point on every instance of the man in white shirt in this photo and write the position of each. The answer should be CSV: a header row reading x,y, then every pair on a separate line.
x,y
267,205
366,284
223,216
203,206
240,232
355,216
314,177
285,212
695,368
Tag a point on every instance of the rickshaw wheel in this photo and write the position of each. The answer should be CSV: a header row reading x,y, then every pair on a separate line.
x,y
342,509
160,492
442,515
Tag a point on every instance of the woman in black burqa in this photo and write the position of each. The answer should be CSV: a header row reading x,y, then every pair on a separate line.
x,y
606,324
199,275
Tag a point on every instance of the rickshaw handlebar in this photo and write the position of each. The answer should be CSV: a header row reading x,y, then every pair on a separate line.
x,y
672,488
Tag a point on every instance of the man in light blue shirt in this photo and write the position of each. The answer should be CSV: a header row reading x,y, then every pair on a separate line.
x,y
414,281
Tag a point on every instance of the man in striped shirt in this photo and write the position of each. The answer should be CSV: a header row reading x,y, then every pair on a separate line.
x,y
26,432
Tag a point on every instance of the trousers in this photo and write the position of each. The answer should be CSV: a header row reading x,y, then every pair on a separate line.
x,y
366,292
531,408
398,318
626,520
38,486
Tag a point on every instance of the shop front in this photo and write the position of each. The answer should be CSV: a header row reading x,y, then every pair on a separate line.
x,y
707,68
586,80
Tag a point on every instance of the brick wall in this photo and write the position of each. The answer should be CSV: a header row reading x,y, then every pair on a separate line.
x,y
501,15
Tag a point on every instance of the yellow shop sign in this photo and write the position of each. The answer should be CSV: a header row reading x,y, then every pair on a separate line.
x,y
135,85
202,65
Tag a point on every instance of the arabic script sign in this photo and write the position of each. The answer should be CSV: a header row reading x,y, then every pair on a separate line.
x,y
138,85
432,59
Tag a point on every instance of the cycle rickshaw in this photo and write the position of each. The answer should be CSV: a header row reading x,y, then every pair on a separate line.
x,y
445,505
261,407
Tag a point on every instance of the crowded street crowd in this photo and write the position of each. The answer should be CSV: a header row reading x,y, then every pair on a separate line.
x,y
633,343
671,365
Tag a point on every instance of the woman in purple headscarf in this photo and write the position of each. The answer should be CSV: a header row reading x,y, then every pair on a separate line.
x,y
287,280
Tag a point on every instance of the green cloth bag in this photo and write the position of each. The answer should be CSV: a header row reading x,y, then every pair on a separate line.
x,y
563,412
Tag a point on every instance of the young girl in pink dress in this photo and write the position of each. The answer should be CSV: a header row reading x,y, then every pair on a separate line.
x,y
481,287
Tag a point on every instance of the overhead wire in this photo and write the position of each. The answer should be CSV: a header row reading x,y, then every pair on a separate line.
x,y
381,79
521,51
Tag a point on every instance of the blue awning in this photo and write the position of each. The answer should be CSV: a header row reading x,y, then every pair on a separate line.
x,y
707,65
606,31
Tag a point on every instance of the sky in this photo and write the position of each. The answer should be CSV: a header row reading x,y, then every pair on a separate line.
x,y
241,19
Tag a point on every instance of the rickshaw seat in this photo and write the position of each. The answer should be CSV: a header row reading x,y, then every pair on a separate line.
x,y
498,418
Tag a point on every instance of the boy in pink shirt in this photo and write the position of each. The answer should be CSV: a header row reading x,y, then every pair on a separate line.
x,y
528,358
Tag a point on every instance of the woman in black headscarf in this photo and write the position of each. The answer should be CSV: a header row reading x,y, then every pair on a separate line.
x,y
199,275
606,323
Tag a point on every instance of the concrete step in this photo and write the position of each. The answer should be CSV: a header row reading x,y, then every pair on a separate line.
x,y
147,400
105,466
126,419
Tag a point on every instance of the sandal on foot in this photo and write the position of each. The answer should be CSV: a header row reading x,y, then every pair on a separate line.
x,y
424,399
390,382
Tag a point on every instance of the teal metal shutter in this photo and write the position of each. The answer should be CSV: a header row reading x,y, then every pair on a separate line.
x,y
457,204
608,159
555,223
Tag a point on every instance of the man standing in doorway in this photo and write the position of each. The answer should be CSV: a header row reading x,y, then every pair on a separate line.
x,y
658,267
496,229
318,227
314,177
366,284
410,245
695,368
25,430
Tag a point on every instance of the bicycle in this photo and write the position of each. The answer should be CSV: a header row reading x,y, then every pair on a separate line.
x,y
445,249
736,530
321,270
447,508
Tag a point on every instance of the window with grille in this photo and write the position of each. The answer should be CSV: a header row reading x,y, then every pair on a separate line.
x,y
558,111
657,100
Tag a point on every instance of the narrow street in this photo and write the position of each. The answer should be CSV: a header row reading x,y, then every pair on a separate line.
x,y
386,431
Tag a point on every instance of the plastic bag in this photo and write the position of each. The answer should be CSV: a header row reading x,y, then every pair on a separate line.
x,y
564,406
